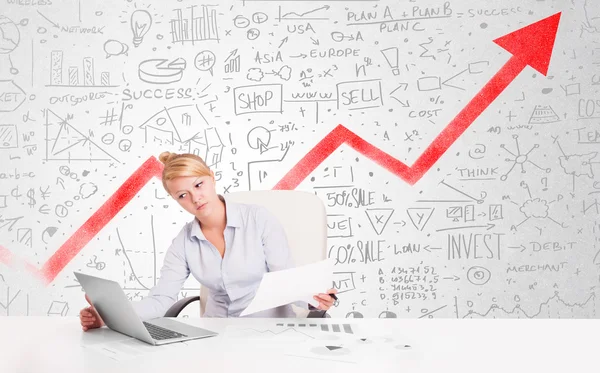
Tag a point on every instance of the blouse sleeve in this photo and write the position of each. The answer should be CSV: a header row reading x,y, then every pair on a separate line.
x,y
275,244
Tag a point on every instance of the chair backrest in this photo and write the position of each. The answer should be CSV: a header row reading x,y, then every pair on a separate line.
x,y
303,217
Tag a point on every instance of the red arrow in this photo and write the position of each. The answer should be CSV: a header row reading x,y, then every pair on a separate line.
x,y
531,45
540,34
151,168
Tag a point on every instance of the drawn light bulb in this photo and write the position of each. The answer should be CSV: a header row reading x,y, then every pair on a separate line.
x,y
391,56
140,24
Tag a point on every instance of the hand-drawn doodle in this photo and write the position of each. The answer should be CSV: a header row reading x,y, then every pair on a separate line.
x,y
65,142
522,56
94,263
205,61
161,71
182,124
543,114
63,255
9,138
140,24
86,79
58,308
391,56
50,231
115,48
10,37
11,96
262,98
345,100
232,62
259,138
316,14
478,275
196,28
379,218
519,158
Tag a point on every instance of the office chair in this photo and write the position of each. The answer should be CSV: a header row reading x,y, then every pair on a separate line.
x,y
303,217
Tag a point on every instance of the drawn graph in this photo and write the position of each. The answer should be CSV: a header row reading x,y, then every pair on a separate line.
x,y
64,142
201,25
554,307
142,278
316,14
12,301
84,77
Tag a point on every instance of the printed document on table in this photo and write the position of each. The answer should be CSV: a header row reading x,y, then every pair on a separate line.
x,y
290,285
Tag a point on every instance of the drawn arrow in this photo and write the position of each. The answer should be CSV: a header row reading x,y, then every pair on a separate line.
x,y
47,19
283,41
488,227
454,278
531,45
541,34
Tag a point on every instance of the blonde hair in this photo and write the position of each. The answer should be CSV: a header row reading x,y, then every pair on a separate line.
x,y
177,165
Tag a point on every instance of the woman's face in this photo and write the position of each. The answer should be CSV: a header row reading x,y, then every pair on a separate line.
x,y
196,194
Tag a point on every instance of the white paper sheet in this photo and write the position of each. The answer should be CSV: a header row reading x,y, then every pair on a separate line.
x,y
291,285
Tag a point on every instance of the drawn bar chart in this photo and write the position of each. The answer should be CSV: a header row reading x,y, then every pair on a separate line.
x,y
335,328
76,77
196,28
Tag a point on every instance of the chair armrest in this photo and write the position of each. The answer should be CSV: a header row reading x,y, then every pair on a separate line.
x,y
176,308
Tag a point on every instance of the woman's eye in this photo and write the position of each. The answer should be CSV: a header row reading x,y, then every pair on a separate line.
x,y
198,185
181,196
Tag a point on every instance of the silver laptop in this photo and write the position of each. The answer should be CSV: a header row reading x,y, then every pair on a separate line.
x,y
119,315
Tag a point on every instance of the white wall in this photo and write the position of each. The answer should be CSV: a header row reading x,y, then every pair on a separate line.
x,y
503,224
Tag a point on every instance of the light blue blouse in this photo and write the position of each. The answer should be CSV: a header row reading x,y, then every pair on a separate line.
x,y
255,243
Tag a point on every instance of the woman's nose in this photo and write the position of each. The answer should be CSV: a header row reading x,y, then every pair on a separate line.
x,y
196,198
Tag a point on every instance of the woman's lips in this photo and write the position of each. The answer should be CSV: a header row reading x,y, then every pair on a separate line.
x,y
201,206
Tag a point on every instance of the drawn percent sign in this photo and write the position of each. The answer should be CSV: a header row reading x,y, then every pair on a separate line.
x,y
519,43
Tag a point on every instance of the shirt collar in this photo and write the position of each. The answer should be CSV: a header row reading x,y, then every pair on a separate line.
x,y
232,212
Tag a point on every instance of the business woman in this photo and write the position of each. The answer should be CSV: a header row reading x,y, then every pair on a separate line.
x,y
227,247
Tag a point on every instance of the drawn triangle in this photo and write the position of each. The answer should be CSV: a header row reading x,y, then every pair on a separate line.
x,y
379,224
419,216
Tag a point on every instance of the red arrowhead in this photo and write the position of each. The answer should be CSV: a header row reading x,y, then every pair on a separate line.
x,y
533,44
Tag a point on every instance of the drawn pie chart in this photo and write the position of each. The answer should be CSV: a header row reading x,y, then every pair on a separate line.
x,y
330,351
161,71
259,138
387,315
354,315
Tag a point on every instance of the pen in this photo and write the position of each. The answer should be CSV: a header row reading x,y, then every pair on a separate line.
x,y
335,299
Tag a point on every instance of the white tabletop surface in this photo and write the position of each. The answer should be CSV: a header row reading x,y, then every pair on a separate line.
x,y
49,344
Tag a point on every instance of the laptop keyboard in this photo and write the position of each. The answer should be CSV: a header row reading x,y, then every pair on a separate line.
x,y
159,333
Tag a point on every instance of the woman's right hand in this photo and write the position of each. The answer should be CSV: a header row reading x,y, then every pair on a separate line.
x,y
89,317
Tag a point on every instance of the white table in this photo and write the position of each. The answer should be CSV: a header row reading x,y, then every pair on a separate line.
x,y
49,344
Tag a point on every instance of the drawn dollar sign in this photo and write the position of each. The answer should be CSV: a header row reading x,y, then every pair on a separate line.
x,y
30,195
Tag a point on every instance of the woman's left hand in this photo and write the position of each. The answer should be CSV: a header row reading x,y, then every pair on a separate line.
x,y
325,300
